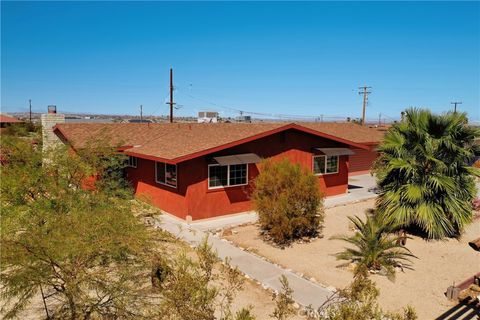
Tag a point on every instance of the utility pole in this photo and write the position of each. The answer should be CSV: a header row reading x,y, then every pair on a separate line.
x,y
455,107
30,103
171,103
141,113
380,119
365,92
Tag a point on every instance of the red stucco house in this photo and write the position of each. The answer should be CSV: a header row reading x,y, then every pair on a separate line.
x,y
201,171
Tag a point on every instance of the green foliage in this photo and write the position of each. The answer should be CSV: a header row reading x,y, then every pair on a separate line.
x,y
284,303
423,173
194,289
373,247
84,249
357,302
21,129
288,201
77,239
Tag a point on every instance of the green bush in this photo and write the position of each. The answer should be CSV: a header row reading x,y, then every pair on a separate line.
x,y
288,201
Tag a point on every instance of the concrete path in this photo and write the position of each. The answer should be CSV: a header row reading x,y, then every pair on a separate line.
x,y
358,191
305,292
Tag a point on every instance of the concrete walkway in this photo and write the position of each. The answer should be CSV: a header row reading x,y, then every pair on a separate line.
x,y
358,190
305,292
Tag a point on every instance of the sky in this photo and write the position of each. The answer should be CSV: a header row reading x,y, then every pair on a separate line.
x,y
277,59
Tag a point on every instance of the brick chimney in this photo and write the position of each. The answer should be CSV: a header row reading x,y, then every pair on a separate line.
x,y
49,120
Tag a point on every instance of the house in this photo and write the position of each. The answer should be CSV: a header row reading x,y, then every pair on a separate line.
x,y
6,121
196,171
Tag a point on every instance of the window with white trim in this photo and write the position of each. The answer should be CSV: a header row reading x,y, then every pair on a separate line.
x,y
227,176
132,162
166,174
325,164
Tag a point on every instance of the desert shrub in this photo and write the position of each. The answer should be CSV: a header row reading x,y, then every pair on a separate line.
x,y
288,201
357,301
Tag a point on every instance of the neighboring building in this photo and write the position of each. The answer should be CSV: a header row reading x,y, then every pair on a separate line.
x,y
207,117
197,171
6,121
247,119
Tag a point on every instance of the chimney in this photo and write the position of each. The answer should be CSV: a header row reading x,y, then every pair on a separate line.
x,y
49,120
52,109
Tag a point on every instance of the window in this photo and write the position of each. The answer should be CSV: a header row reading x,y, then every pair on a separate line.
x,y
325,164
132,162
166,174
227,176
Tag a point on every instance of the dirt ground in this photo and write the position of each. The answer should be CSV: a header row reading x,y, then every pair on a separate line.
x,y
439,263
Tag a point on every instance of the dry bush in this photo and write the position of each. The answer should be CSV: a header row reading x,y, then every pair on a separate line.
x,y
288,201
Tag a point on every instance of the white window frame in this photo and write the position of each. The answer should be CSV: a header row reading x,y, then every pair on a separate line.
x,y
228,176
129,162
325,169
165,174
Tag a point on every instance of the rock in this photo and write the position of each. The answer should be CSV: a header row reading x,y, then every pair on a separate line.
x,y
227,232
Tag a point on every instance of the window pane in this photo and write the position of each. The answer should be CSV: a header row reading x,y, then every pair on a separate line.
x,y
319,164
217,176
160,172
238,174
132,161
332,164
171,174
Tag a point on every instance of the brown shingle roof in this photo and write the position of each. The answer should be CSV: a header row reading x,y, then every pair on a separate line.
x,y
348,131
179,141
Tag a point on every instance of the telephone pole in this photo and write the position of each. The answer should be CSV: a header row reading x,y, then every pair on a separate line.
x,y
455,107
30,103
365,92
171,103
141,113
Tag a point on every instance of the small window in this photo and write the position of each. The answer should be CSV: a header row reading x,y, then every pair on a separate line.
x,y
166,174
132,162
325,164
227,176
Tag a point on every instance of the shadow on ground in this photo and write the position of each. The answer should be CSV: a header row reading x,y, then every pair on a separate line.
x,y
465,310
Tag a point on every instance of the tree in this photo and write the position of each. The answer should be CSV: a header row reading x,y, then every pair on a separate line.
x,y
284,303
373,247
288,201
423,173
83,248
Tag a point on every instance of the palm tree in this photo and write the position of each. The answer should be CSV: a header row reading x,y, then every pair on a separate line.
x,y
374,247
423,173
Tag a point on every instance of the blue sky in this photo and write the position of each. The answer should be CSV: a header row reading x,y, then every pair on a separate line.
x,y
271,57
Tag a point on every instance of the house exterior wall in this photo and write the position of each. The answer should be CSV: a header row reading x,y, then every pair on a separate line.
x,y
192,196
361,162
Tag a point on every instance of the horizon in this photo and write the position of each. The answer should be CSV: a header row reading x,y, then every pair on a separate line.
x,y
293,59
